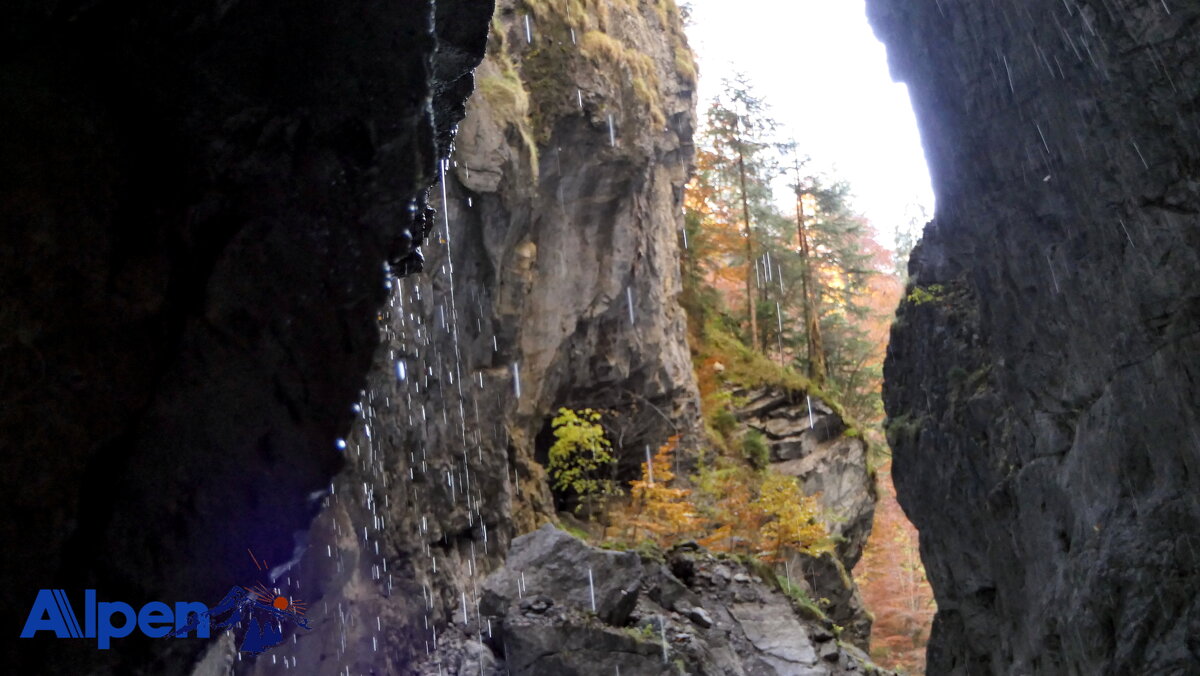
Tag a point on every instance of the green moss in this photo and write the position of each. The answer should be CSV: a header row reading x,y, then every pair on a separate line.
x,y
748,368
579,533
612,56
902,430
724,422
506,95
755,450
797,594
643,632
920,295
685,63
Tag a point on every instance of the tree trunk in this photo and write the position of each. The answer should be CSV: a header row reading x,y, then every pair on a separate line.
x,y
812,326
751,285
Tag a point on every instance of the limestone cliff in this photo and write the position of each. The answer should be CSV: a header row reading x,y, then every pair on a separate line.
x,y
1042,380
568,181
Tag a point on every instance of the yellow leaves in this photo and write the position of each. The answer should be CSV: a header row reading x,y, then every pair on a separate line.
x,y
761,513
732,510
581,457
792,518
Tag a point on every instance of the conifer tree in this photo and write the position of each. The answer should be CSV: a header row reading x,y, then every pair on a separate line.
x,y
739,159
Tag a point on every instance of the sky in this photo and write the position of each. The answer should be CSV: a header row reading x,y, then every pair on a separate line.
x,y
825,76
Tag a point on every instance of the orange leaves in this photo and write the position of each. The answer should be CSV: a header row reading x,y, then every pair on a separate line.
x,y
734,522
894,587
665,514
761,513
733,510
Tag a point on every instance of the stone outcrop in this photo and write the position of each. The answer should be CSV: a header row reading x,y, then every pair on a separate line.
x,y
198,200
809,440
691,614
567,186
1042,379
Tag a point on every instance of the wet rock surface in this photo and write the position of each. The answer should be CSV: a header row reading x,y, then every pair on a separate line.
x,y
720,617
198,200
1041,383
524,306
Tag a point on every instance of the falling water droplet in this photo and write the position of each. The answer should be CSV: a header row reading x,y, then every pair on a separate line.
x,y
592,589
516,370
662,627
612,136
341,444
629,303
401,370
649,465
810,413
528,31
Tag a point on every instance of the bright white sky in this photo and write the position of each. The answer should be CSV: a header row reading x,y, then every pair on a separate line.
x,y
825,76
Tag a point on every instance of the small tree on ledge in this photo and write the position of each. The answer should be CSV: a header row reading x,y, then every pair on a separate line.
x,y
666,514
581,459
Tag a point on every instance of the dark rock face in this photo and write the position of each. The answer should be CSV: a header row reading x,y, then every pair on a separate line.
x,y
552,562
721,618
1041,383
198,201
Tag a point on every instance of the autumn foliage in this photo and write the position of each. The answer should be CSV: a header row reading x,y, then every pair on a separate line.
x,y
656,510
581,459
734,510
894,587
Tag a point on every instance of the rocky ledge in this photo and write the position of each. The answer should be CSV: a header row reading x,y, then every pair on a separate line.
x,y
564,608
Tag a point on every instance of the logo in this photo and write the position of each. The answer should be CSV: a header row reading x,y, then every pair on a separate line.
x,y
260,612
52,611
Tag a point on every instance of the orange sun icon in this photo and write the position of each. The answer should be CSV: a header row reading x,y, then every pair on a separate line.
x,y
271,597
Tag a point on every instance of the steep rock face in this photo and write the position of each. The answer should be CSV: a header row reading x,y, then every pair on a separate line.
x,y
1041,383
198,200
552,228
568,179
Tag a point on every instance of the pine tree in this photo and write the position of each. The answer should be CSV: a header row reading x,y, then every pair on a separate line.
x,y
738,162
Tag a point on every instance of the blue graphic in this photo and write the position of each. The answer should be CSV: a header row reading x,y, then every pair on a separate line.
x,y
264,623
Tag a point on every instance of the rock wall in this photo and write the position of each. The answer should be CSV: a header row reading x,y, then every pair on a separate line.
x,y
1041,383
808,439
567,183
553,227
197,202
